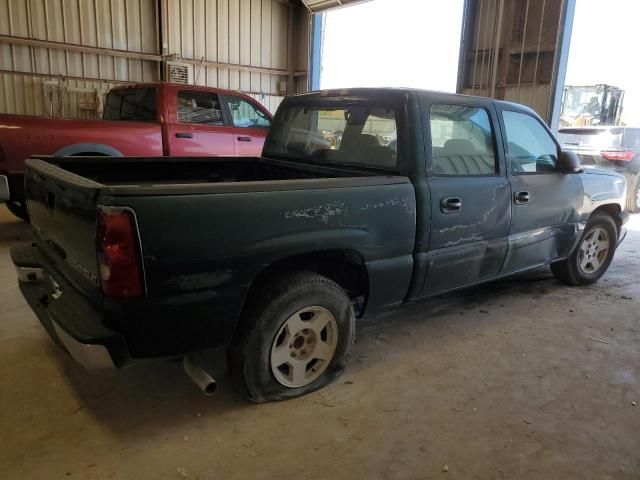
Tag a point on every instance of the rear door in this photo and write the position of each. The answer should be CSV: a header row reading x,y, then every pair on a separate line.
x,y
470,208
546,203
200,129
250,125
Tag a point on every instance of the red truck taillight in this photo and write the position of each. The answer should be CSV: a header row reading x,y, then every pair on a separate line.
x,y
118,251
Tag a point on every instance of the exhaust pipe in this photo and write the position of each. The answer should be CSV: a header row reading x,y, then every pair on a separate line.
x,y
198,374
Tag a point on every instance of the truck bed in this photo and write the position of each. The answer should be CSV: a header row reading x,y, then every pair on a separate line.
x,y
184,171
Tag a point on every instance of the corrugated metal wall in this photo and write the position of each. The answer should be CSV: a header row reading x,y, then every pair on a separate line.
x,y
511,50
251,33
127,25
90,45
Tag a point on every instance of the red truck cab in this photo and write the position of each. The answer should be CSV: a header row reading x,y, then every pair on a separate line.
x,y
146,119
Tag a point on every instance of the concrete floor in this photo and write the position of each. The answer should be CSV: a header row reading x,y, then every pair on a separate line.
x,y
523,379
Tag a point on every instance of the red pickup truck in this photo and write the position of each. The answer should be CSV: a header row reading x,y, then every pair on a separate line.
x,y
152,119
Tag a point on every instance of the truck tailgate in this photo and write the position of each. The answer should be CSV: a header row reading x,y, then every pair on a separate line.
x,y
62,206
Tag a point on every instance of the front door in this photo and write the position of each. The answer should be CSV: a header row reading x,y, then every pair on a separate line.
x,y
546,202
470,208
250,126
200,130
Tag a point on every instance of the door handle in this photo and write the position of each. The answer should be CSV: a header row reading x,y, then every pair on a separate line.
x,y
244,139
184,135
451,204
522,197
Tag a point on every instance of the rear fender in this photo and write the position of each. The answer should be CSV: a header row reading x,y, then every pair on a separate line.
x,y
87,149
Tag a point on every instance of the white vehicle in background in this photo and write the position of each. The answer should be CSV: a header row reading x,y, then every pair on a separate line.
x,y
612,148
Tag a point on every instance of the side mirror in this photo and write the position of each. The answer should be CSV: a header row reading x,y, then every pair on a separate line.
x,y
568,162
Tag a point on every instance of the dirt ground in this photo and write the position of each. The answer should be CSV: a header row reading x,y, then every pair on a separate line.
x,y
523,379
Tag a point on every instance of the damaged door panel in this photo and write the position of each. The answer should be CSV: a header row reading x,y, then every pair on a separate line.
x,y
470,210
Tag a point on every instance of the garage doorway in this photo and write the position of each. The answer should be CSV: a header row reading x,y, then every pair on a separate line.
x,y
392,43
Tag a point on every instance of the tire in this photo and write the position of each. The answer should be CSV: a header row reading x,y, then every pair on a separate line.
x,y
19,209
578,270
633,195
286,319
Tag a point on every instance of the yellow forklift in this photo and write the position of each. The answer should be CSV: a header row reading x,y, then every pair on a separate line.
x,y
591,105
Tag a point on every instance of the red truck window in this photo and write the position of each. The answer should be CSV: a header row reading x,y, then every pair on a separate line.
x,y
199,107
245,114
131,104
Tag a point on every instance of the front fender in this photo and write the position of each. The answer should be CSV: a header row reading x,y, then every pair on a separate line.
x,y
602,188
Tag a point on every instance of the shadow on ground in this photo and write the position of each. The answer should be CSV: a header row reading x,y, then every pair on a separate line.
x,y
125,400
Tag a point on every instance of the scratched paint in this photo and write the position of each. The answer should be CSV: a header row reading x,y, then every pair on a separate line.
x,y
483,219
323,212
407,203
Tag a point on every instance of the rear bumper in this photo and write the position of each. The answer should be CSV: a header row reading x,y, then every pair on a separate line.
x,y
4,189
67,316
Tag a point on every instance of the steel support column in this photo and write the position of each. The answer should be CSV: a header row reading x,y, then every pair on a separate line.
x,y
315,60
562,59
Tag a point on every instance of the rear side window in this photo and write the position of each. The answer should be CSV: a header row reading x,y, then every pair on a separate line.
x,y
245,114
199,107
461,141
530,147
131,104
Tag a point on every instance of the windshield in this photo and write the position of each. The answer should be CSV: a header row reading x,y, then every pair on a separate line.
x,y
360,134
582,101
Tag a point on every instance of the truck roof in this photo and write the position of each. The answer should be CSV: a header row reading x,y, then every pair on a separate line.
x,y
373,91
172,85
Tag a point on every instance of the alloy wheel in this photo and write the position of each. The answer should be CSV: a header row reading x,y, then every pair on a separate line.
x,y
304,346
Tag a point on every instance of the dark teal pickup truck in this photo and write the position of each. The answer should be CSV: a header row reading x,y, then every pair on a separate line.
x,y
363,200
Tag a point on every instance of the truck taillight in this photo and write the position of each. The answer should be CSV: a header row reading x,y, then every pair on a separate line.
x,y
118,251
625,156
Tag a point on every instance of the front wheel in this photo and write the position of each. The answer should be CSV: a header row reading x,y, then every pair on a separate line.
x,y
593,255
294,338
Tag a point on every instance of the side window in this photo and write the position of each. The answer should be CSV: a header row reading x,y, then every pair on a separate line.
x,y
130,104
245,114
530,148
461,141
199,107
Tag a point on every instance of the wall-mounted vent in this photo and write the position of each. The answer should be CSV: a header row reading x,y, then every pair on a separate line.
x,y
177,72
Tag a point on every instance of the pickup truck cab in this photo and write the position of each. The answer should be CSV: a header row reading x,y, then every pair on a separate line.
x,y
364,200
153,119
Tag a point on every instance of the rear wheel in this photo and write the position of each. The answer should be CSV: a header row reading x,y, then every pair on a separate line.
x,y
295,338
633,195
19,209
593,255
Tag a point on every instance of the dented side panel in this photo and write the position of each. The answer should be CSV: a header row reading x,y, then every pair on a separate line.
x,y
468,245
210,242
545,228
